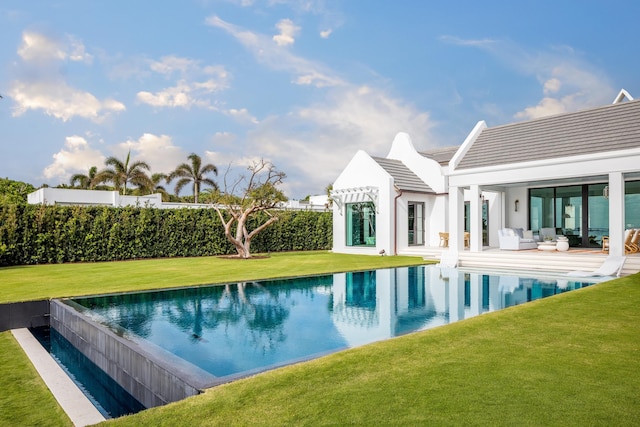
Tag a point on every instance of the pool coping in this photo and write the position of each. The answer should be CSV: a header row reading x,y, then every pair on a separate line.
x,y
72,400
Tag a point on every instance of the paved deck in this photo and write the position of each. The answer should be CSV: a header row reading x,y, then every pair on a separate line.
x,y
77,406
533,259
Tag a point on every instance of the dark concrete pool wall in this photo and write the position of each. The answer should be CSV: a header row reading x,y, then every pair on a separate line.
x,y
152,376
30,314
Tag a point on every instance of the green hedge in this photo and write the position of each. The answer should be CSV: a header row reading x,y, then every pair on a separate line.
x,y
36,234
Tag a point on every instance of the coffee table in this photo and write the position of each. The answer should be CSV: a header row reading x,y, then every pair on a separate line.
x,y
547,246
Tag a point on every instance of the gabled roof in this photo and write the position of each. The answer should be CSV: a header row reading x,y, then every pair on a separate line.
x,y
609,128
441,155
402,176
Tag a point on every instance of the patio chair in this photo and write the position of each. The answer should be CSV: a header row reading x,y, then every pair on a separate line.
x,y
631,241
632,246
612,266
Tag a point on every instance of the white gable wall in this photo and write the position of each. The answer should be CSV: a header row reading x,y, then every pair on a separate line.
x,y
426,169
363,171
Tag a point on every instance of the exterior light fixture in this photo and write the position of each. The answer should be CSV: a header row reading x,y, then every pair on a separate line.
x,y
517,204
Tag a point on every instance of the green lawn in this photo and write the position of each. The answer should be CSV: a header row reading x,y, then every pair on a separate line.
x,y
24,398
35,282
573,359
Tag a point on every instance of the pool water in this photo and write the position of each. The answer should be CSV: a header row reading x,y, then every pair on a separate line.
x,y
235,329
109,398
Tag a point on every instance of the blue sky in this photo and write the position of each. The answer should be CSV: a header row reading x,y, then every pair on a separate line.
x,y
302,83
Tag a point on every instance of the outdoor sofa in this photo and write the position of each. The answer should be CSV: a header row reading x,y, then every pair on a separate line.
x,y
516,239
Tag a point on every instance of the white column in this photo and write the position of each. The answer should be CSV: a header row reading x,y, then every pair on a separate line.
x,y
476,294
475,219
456,219
456,297
616,213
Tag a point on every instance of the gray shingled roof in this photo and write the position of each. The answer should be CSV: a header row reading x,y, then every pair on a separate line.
x,y
441,155
403,177
609,128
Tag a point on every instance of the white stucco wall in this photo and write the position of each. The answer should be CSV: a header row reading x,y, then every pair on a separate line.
x,y
520,218
65,196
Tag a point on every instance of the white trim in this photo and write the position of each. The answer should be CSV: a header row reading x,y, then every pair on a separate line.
x,y
355,195
466,145
621,96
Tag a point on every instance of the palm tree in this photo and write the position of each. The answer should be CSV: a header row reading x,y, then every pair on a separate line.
x,y
193,172
157,188
122,173
83,181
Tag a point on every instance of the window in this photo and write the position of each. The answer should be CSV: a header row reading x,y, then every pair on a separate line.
x,y
416,223
361,224
632,204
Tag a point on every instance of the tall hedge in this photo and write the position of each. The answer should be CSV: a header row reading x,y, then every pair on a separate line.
x,y
36,234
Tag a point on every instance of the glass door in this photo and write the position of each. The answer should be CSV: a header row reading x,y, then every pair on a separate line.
x,y
416,223
568,213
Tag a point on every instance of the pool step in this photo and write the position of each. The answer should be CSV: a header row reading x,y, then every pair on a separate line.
x,y
531,259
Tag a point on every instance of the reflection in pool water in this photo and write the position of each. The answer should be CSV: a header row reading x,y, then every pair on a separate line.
x,y
235,329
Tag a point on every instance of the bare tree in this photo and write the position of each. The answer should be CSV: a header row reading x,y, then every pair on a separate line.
x,y
251,193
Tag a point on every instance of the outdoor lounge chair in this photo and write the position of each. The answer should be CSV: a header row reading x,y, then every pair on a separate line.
x,y
448,263
448,259
612,266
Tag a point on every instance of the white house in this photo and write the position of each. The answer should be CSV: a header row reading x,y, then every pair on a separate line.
x,y
577,173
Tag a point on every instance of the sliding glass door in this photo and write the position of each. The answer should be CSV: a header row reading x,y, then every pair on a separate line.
x,y
580,212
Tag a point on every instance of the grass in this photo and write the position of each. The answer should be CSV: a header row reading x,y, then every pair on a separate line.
x,y
25,283
24,399
573,359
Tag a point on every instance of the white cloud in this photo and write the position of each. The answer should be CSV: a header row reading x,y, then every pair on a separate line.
x,y
37,47
45,88
552,86
170,64
278,58
59,100
76,156
242,116
568,86
326,33
288,31
158,151
194,87
467,42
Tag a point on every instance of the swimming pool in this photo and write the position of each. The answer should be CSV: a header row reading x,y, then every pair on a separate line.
x,y
237,329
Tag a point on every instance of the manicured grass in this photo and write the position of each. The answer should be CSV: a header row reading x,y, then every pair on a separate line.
x,y
24,398
26,283
573,359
